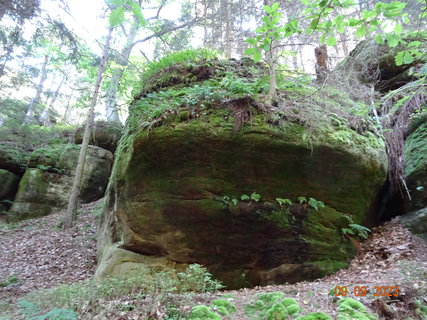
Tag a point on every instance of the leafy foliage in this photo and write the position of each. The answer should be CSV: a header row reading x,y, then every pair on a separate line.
x,y
355,229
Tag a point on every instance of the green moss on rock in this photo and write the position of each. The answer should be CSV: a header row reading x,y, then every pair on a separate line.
x,y
180,157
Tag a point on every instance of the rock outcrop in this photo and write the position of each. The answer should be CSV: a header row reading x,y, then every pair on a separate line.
x,y
416,164
47,182
105,135
208,183
12,165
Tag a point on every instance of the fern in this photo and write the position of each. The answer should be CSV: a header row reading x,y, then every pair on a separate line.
x,y
185,56
28,308
57,314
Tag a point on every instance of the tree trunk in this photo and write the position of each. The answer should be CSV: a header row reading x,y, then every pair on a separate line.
x,y
228,30
35,101
111,110
45,115
321,66
271,61
71,213
67,109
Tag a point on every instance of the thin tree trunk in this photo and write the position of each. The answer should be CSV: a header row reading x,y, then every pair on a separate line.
x,y
228,29
71,213
67,109
35,101
44,116
111,111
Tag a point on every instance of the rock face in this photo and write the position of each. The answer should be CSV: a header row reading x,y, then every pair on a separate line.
x,y
416,164
47,182
12,164
9,184
12,158
416,222
375,63
210,185
105,135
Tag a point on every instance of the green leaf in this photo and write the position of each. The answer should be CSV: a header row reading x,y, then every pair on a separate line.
x,y
275,6
302,199
414,44
137,11
251,41
255,196
117,17
322,38
361,31
250,51
398,28
267,9
398,59
379,39
393,40
244,197
407,58
314,23
331,41
352,22
257,56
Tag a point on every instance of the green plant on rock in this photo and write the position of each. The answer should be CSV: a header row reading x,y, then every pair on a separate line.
x,y
315,316
282,218
223,307
420,308
271,306
355,229
350,309
202,313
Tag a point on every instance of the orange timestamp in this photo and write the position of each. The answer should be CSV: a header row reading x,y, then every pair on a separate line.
x,y
378,291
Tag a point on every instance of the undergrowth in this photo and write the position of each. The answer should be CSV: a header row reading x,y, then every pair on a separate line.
x,y
154,288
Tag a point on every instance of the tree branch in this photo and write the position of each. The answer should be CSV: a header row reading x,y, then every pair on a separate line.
x,y
162,32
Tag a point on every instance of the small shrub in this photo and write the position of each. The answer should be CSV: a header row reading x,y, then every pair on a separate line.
x,y
223,307
196,278
202,313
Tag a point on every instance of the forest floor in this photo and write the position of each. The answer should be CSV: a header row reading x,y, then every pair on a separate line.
x,y
38,254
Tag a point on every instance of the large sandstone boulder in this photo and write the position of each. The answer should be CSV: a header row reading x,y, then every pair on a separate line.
x,y
105,135
47,182
206,181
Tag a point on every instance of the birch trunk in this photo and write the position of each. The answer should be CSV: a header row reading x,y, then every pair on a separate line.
x,y
35,101
111,110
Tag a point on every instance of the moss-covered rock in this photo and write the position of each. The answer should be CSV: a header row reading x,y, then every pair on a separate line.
x,y
416,222
416,166
9,184
105,135
373,63
178,180
47,182
12,158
